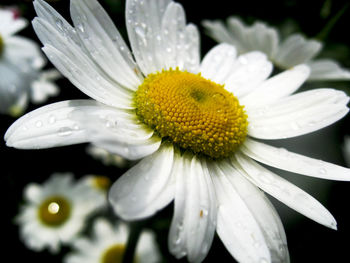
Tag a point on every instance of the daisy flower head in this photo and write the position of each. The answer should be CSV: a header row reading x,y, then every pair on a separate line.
x,y
108,244
55,212
194,125
286,53
21,62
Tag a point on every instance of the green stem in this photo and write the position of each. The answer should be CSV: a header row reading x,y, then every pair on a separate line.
x,y
327,29
134,234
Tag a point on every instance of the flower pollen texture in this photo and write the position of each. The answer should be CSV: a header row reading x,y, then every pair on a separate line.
x,y
192,112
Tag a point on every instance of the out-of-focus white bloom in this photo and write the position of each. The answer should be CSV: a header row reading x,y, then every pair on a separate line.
x,y
106,157
195,124
108,244
21,62
293,50
55,212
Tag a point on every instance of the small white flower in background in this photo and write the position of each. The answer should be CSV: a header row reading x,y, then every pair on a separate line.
x,y
108,244
100,184
194,125
21,63
55,212
346,150
106,157
293,50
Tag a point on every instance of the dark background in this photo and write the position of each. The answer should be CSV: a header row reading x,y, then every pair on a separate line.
x,y
308,241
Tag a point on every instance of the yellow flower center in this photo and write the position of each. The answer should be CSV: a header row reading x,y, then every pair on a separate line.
x,y
192,112
114,254
101,182
54,211
1,45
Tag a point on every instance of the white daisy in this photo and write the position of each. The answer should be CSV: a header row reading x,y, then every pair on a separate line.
x,y
293,50
55,212
195,132
108,244
20,65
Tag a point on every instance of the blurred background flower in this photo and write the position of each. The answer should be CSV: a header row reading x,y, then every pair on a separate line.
x,y
109,242
21,64
55,212
308,242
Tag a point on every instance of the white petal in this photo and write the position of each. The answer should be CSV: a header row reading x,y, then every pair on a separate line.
x,y
191,54
73,63
48,126
263,38
218,63
284,191
88,80
248,72
133,194
293,162
327,69
143,21
218,31
193,225
117,131
263,212
51,16
236,225
25,51
104,43
9,24
277,87
296,50
298,114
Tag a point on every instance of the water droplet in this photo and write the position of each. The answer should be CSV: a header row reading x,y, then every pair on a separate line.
x,y
256,244
263,260
64,131
39,124
59,24
140,31
322,171
52,119
243,60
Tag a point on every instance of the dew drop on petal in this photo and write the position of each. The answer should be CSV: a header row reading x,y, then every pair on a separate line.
x,y
64,131
39,124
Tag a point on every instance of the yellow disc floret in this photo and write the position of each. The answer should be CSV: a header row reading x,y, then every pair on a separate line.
x,y
54,211
192,112
114,254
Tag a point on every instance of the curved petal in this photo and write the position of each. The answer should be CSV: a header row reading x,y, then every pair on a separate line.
x,y
293,162
217,30
250,70
104,43
218,63
63,47
48,126
295,50
263,212
143,21
277,87
284,191
298,114
88,80
236,225
117,131
193,226
327,69
137,193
